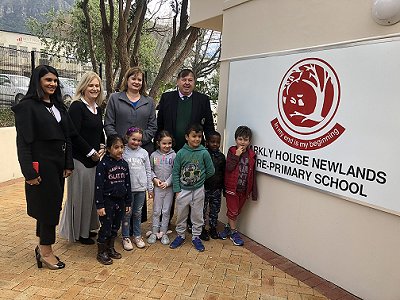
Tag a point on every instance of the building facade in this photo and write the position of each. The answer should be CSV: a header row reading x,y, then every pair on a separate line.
x,y
347,242
20,41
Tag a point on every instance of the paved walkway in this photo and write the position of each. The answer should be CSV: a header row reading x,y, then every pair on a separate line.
x,y
223,271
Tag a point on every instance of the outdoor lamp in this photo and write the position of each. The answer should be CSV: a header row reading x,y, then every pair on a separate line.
x,y
386,12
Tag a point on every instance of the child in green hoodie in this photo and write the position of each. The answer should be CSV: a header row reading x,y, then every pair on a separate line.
x,y
192,166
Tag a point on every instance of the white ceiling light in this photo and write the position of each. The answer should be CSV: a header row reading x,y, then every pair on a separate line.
x,y
386,12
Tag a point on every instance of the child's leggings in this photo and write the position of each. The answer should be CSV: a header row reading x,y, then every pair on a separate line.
x,y
162,204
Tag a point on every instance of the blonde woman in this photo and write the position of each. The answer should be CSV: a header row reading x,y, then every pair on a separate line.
x,y
79,219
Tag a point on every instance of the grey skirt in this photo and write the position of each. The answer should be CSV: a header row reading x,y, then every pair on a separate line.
x,y
79,215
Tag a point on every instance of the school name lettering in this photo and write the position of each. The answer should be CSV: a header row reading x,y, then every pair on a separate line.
x,y
321,172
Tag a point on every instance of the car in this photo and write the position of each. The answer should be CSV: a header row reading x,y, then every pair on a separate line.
x,y
68,87
12,88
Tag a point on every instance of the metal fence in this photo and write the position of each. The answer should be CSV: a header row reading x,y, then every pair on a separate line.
x,y
16,67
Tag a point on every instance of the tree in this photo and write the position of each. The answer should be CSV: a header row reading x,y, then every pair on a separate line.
x,y
123,27
182,41
67,32
84,5
207,52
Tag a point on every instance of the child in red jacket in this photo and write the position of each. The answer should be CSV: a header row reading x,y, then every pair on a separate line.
x,y
240,181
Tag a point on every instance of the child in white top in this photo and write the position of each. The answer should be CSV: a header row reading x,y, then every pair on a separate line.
x,y
161,162
140,174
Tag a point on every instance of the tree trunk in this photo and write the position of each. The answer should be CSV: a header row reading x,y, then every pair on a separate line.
x,y
169,65
89,35
141,12
122,39
107,31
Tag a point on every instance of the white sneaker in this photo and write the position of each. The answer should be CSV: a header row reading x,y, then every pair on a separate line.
x,y
152,238
139,242
165,240
127,244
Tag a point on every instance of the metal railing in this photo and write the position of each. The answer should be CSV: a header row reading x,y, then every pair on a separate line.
x,y
16,67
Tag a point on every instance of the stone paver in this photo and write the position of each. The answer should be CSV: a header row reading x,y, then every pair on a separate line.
x,y
223,271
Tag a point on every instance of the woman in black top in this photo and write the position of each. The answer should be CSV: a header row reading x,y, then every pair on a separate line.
x,y
43,136
79,218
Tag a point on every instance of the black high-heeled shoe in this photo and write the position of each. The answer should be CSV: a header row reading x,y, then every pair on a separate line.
x,y
37,256
40,261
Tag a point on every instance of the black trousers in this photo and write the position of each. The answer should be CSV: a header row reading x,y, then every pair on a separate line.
x,y
111,222
46,233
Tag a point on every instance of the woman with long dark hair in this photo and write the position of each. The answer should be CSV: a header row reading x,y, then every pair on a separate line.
x,y
45,156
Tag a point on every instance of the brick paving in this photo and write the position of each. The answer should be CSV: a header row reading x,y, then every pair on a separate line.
x,y
223,271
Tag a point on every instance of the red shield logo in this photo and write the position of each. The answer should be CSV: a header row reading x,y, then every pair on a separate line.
x,y
308,99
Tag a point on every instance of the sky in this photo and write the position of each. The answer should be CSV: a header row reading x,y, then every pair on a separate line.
x,y
165,10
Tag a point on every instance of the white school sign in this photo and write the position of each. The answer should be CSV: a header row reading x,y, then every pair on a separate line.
x,y
325,118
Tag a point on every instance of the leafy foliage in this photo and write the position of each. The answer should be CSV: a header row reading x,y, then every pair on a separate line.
x,y
66,31
6,117
119,34
210,86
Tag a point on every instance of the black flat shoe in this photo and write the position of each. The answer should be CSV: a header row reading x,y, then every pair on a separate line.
x,y
86,241
92,234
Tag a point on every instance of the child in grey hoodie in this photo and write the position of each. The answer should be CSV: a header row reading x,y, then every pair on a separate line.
x,y
161,162
140,174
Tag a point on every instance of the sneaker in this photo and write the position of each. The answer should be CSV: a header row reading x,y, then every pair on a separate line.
x,y
152,238
165,240
236,239
223,235
139,242
177,242
198,244
127,244
213,233
204,234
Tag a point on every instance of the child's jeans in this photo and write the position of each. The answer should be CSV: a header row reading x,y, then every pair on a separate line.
x,y
136,213
111,222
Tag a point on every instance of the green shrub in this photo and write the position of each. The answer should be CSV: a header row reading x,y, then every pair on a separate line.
x,y
6,117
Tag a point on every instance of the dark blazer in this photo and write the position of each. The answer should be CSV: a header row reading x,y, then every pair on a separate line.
x,y
201,112
41,138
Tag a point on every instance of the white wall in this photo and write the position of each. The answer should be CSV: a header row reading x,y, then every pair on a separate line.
x,y
27,41
354,246
8,155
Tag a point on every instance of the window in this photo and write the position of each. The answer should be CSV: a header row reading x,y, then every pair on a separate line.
x,y
13,50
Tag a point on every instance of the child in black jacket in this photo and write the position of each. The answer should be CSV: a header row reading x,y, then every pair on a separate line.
x,y
113,197
213,186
